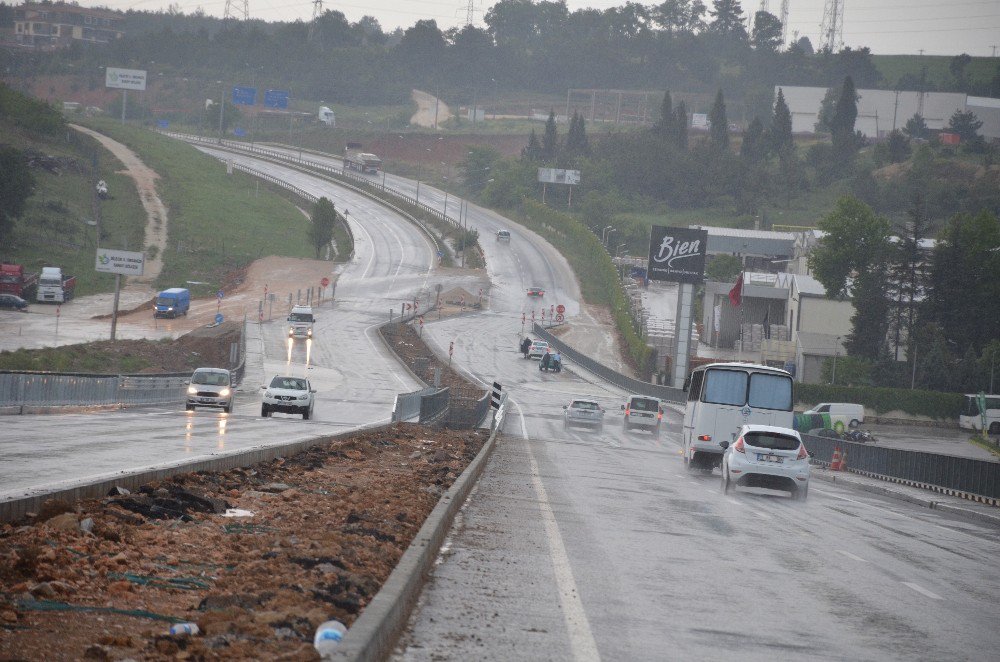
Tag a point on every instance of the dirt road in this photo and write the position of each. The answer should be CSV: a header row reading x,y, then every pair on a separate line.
x,y
430,110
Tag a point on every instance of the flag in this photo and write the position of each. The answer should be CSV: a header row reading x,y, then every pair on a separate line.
x,y
736,294
767,324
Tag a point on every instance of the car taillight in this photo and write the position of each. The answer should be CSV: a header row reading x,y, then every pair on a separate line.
x,y
704,437
659,416
627,411
738,446
802,452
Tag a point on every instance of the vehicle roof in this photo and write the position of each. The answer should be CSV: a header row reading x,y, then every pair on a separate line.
x,y
756,427
211,370
300,308
539,342
744,366
640,395
174,290
586,400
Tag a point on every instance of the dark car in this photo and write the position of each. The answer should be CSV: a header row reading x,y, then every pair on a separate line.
x,y
13,302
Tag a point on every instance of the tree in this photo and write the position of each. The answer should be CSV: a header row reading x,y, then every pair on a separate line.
x,y
957,67
908,273
966,125
827,108
16,184
781,127
723,268
664,127
533,151
852,259
916,127
550,139
727,20
754,146
324,217
576,138
719,129
766,36
897,147
681,126
844,116
680,16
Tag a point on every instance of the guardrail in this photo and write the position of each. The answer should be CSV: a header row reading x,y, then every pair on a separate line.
x,y
960,476
435,405
637,386
408,405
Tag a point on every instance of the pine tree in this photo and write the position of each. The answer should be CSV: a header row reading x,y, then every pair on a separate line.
x,y
324,217
781,128
576,138
681,126
754,146
719,132
844,116
533,151
550,139
665,126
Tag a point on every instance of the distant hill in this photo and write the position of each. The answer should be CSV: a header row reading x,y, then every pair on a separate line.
x,y
903,72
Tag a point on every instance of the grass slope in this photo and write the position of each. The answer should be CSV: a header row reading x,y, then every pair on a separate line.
x,y
894,67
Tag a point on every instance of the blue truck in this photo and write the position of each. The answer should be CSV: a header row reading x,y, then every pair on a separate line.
x,y
172,303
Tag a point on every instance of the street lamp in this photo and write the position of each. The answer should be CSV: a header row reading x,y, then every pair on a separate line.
x,y
836,353
609,236
222,105
619,249
606,228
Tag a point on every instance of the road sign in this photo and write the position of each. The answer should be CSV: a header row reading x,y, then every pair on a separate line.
x,y
162,124
324,281
495,398
276,99
219,318
239,132
451,348
125,79
245,96
127,263
559,317
560,309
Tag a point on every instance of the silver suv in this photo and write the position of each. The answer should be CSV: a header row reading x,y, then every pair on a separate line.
x,y
288,395
643,412
210,387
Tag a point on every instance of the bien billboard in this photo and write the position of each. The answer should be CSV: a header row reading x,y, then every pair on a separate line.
x,y
677,254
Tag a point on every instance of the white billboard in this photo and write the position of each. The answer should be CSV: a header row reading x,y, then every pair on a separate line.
x,y
127,263
699,120
125,79
558,176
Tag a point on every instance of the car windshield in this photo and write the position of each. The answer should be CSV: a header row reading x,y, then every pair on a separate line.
x,y
165,301
644,404
300,317
210,378
771,440
290,383
583,404
540,343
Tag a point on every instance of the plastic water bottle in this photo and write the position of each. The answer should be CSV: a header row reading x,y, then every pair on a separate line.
x,y
184,628
328,637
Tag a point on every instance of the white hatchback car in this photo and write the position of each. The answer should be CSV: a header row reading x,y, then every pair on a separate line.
x,y
766,456
539,348
288,395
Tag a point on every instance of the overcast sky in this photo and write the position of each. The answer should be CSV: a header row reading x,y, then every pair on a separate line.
x,y
942,27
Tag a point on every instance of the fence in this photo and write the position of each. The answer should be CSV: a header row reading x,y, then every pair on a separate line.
x,y
22,389
930,470
666,393
408,405
434,406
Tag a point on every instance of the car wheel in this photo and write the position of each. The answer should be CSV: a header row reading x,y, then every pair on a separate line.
x,y
854,423
264,411
727,485
802,493
228,408
189,407
305,414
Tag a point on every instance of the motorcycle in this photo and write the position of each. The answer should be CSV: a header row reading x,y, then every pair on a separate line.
x,y
860,436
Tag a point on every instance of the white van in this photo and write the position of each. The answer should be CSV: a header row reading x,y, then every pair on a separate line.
x,y
300,322
841,414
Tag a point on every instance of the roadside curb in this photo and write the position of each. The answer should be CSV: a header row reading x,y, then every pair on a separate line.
x,y
980,517
374,634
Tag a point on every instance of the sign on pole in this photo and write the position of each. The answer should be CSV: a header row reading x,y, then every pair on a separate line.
x,y
245,96
276,98
558,176
677,254
495,396
125,79
127,263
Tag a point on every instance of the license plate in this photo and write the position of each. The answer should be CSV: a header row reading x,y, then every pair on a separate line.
x,y
777,459
206,399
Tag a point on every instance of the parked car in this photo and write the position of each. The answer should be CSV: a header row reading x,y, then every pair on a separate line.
x,y
538,349
643,412
536,292
584,412
13,302
766,456
288,395
210,387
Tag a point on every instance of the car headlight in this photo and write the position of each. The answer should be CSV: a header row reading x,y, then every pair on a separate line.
x,y
192,390
310,332
304,396
291,330
267,394
224,393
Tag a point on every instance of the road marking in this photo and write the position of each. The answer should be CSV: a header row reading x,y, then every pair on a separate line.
x,y
581,638
762,515
923,591
852,556
734,502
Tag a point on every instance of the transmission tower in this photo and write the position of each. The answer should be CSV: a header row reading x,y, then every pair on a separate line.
x,y
317,12
228,14
784,21
832,28
470,10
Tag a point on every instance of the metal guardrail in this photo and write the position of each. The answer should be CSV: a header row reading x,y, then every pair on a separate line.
x,y
407,405
637,386
918,468
434,406
462,415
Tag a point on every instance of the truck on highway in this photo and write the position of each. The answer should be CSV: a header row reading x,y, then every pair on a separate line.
x,y
360,161
15,280
54,287
173,302
326,116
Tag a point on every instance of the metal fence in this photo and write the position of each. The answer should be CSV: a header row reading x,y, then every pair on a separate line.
x,y
637,386
434,406
465,412
407,405
960,474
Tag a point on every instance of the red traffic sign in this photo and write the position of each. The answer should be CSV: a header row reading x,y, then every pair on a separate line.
x,y
451,348
560,309
324,281
559,317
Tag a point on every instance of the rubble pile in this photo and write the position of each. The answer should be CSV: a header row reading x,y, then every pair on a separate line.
x,y
255,557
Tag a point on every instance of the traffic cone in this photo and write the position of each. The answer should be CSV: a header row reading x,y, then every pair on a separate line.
x,y
835,463
843,461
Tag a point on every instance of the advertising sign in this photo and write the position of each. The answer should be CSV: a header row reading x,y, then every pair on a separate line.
x,y
677,254
245,96
558,176
125,79
127,263
276,98
699,120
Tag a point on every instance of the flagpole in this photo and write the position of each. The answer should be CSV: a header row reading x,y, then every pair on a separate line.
x,y
742,309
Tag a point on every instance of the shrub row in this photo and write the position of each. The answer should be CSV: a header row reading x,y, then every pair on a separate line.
x,y
934,404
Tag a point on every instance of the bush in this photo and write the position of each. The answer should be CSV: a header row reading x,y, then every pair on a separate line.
x,y
934,404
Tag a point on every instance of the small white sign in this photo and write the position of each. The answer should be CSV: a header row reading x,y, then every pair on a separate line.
x,y
699,120
127,263
125,79
558,176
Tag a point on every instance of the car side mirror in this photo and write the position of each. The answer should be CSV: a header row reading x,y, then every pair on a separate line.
x,y
565,406
687,385
724,444
263,386
809,453
312,390
623,407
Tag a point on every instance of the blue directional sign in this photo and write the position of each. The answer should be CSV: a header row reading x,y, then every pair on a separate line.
x,y
276,98
245,96
163,124
239,132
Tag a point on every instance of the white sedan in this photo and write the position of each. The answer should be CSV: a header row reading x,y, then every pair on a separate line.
x,y
769,457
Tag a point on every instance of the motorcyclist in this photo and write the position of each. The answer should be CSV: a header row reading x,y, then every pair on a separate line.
x,y
525,346
546,359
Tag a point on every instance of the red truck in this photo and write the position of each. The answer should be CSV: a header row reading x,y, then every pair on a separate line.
x,y
14,280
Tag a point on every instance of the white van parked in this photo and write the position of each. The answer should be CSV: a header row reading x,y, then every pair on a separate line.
x,y
841,414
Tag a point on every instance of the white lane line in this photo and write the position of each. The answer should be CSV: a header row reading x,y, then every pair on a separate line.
x,y
923,591
581,638
680,475
762,515
851,556
734,502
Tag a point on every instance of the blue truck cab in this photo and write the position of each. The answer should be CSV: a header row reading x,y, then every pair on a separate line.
x,y
173,302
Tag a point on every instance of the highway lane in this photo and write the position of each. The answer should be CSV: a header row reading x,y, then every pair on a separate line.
x,y
577,546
